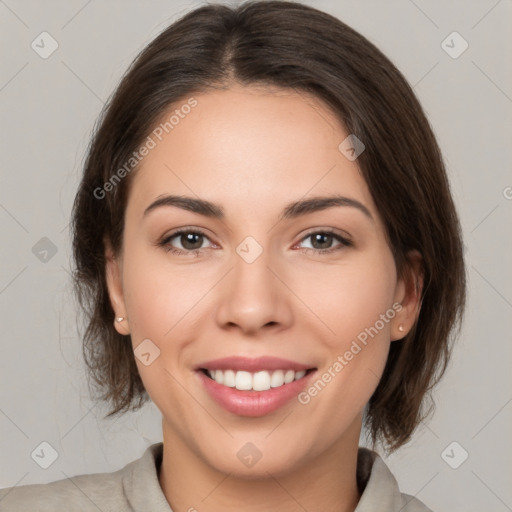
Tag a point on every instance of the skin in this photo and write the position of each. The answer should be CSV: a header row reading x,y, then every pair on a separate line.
x,y
253,150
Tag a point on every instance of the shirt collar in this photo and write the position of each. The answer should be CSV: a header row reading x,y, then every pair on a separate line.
x,y
379,487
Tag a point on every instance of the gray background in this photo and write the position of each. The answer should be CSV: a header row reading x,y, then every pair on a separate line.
x,y
48,107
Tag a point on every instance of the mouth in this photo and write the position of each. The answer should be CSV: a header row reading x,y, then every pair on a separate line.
x,y
255,381
253,386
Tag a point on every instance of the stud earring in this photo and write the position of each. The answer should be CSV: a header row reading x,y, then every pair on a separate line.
x,y
120,319
401,328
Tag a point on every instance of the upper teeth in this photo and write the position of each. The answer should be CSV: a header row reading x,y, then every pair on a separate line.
x,y
258,381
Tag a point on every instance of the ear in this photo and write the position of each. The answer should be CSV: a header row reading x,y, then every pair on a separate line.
x,y
408,294
113,273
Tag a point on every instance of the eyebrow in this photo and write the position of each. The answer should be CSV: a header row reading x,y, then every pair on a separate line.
x,y
291,211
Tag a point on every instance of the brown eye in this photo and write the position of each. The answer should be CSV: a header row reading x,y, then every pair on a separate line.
x,y
325,242
321,240
184,241
191,241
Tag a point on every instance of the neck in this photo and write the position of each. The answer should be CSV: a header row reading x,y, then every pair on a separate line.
x,y
327,482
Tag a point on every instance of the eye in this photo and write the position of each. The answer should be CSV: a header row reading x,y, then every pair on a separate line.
x,y
189,241
321,242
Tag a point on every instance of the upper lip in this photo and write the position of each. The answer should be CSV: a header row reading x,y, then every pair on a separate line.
x,y
250,364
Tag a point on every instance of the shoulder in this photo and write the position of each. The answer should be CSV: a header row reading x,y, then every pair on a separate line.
x,y
81,492
84,493
412,504
380,489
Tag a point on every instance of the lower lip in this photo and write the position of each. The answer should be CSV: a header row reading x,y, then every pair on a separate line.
x,y
253,403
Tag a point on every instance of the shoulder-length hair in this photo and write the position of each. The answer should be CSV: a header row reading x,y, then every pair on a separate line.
x,y
289,45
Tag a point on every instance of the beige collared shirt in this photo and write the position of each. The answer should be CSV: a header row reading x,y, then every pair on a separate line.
x,y
135,488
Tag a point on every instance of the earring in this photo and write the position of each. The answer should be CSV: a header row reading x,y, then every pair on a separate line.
x,y
120,319
401,328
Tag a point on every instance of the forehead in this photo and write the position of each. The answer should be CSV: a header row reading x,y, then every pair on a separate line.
x,y
253,147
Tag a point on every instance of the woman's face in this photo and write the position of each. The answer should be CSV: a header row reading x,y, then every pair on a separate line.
x,y
313,287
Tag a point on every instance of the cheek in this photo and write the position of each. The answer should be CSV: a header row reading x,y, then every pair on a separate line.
x,y
159,296
355,355
349,297
359,311
167,305
161,304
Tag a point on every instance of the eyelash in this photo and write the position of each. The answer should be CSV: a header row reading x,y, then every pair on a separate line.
x,y
164,243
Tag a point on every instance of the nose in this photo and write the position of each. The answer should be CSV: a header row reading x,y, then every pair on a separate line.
x,y
252,297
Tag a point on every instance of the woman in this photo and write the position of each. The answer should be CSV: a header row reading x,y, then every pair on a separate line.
x,y
266,247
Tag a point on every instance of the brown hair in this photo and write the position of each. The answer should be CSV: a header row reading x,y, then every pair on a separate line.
x,y
289,45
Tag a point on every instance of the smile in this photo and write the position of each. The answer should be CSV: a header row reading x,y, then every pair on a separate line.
x,y
259,381
253,386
